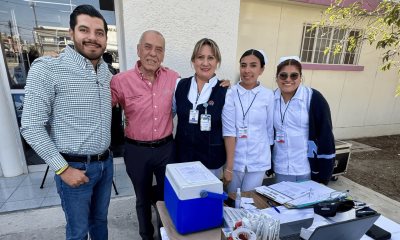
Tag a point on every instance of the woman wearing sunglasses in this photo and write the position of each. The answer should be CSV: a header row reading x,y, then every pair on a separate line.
x,y
304,144
247,120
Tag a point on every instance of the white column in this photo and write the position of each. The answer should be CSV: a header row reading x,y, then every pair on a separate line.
x,y
12,158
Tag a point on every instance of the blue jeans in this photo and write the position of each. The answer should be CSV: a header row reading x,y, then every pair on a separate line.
x,y
86,207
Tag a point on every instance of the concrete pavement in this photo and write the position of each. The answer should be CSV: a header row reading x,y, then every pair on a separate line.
x,y
49,223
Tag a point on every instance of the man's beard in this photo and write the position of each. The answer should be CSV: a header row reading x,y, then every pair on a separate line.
x,y
94,55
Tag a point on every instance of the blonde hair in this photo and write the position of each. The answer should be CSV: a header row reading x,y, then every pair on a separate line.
x,y
213,45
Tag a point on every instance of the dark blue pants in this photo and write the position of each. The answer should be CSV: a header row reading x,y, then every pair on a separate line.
x,y
141,163
86,206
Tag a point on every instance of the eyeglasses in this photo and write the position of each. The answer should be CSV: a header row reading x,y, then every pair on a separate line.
x,y
284,75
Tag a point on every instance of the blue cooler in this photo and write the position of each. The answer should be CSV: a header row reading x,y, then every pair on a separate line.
x,y
193,197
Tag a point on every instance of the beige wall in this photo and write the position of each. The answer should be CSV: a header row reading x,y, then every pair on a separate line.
x,y
362,103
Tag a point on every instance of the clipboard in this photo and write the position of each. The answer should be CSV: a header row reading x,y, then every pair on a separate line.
x,y
296,194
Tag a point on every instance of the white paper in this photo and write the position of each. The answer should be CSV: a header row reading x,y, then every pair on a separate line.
x,y
291,189
289,215
247,206
194,174
273,194
316,193
246,200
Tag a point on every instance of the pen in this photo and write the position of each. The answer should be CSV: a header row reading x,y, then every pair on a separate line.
x,y
271,205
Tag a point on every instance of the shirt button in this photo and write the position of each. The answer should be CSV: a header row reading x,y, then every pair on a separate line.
x,y
155,118
94,72
155,106
149,83
154,94
155,130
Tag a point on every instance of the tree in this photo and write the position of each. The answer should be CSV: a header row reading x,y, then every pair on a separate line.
x,y
380,24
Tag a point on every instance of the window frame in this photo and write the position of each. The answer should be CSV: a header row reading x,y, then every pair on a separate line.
x,y
326,59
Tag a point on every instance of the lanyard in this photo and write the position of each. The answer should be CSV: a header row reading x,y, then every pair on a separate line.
x,y
280,109
245,113
198,96
197,99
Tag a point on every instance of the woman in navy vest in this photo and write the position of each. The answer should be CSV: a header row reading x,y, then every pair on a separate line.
x,y
248,126
198,103
304,144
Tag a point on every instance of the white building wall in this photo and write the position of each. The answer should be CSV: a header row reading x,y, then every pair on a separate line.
x,y
182,23
362,103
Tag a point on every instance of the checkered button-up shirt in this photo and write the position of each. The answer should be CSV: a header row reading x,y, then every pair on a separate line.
x,y
67,107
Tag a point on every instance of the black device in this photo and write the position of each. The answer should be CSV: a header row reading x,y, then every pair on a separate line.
x,y
330,208
366,211
378,233
326,209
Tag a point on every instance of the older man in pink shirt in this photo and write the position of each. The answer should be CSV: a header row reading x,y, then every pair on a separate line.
x,y
145,93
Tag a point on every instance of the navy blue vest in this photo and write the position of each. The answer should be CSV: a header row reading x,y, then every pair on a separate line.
x,y
191,143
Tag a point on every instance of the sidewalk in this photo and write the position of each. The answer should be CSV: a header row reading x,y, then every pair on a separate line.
x,y
48,222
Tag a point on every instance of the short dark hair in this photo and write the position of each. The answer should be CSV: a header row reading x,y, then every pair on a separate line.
x,y
288,62
87,10
256,53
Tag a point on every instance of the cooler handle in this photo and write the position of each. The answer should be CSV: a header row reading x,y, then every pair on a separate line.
x,y
207,194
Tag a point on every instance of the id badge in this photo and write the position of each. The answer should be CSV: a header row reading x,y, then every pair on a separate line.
x,y
205,122
280,137
243,132
194,116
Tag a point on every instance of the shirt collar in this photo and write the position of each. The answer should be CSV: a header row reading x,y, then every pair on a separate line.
x,y
139,73
79,58
210,81
243,90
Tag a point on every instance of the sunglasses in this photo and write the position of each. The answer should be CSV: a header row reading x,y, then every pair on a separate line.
x,y
284,76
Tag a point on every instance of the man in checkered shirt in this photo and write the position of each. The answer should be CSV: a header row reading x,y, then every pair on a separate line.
x,y
67,120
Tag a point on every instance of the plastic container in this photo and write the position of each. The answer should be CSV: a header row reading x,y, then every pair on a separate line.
x,y
193,197
238,199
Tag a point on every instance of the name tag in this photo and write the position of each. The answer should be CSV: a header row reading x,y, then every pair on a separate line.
x,y
243,132
205,122
280,137
194,116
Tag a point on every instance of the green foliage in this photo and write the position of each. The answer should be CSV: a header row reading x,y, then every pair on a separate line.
x,y
381,28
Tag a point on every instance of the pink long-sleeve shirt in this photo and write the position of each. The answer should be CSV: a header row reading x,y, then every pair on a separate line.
x,y
147,105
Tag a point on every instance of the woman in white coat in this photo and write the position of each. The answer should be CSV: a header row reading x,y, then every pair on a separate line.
x,y
247,119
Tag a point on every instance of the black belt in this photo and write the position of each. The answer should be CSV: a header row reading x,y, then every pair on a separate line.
x,y
84,158
150,144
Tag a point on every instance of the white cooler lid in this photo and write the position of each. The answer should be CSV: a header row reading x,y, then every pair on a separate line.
x,y
190,178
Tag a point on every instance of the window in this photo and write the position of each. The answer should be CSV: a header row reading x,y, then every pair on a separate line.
x,y
316,40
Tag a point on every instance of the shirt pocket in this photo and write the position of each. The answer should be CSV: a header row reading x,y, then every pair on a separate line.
x,y
293,114
132,103
165,101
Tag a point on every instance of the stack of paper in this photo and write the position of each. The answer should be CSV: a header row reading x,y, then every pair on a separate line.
x,y
296,194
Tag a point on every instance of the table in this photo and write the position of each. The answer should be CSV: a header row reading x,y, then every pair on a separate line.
x,y
212,234
388,225
260,202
